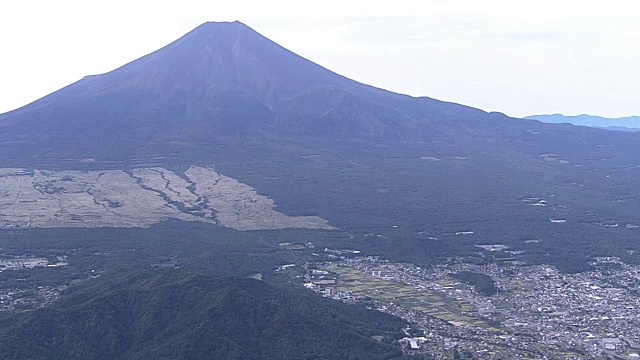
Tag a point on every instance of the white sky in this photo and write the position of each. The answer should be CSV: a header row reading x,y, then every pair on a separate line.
x,y
514,56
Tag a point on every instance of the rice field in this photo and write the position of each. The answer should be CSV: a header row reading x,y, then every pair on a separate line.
x,y
423,300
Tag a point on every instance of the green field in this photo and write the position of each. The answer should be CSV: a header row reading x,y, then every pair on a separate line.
x,y
426,301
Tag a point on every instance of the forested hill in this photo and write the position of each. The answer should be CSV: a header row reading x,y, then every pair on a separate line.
x,y
172,314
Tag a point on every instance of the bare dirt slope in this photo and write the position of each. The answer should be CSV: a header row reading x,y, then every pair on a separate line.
x,y
140,198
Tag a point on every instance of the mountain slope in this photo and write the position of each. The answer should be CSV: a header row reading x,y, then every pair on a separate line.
x,y
176,315
628,123
367,160
221,78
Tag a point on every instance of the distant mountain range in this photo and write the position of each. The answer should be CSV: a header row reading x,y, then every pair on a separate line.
x,y
629,123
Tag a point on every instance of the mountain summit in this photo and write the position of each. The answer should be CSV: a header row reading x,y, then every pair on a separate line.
x,y
223,79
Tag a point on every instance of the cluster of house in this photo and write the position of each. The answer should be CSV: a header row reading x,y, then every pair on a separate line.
x,y
323,282
28,263
320,277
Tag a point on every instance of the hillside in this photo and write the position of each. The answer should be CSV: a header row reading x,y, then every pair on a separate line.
x,y
312,144
172,314
221,79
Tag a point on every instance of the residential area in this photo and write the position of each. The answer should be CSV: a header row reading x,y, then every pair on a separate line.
x,y
537,312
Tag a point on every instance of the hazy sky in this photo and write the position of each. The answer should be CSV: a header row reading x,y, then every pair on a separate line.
x,y
518,57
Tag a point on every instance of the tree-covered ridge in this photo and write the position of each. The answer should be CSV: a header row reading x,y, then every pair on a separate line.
x,y
483,284
174,314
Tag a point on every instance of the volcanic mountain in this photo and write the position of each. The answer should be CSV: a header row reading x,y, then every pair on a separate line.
x,y
223,79
435,177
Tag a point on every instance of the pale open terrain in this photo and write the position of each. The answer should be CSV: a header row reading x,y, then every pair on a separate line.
x,y
141,198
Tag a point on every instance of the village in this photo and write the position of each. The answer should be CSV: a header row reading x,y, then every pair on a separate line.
x,y
19,263
20,298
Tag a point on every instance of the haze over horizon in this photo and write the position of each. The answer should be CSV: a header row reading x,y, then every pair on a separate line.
x,y
486,55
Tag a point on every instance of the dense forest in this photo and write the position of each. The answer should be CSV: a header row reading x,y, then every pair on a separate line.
x,y
175,314
483,284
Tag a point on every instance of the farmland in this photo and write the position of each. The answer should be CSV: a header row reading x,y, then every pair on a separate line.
x,y
416,298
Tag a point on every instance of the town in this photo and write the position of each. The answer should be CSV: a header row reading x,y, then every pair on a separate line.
x,y
26,297
536,312
18,299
